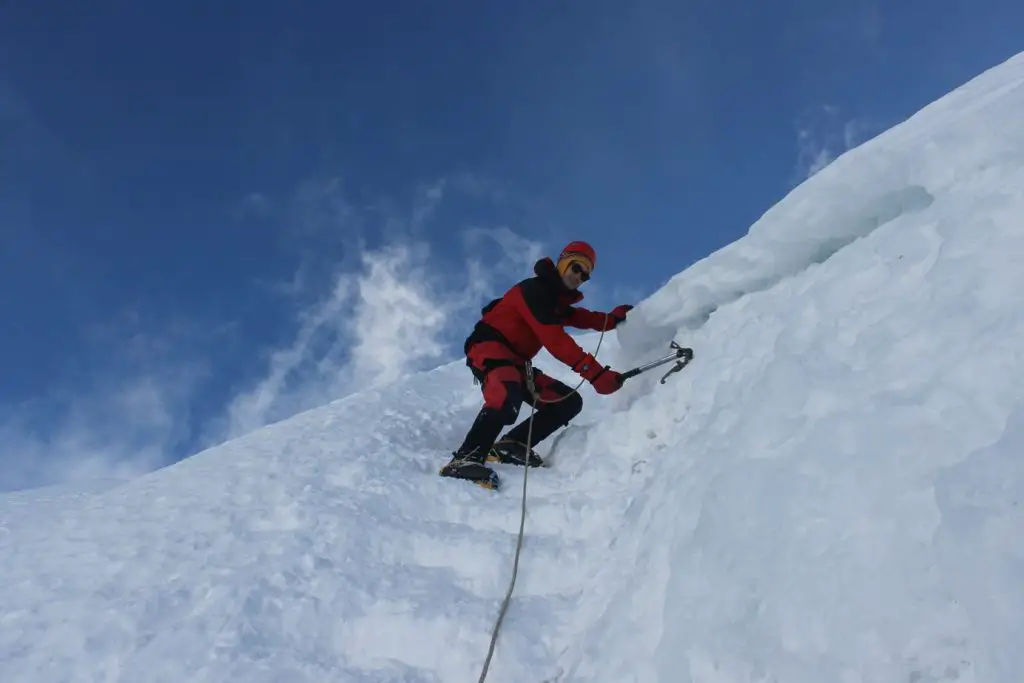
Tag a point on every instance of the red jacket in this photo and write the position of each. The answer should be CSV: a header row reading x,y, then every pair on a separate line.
x,y
533,314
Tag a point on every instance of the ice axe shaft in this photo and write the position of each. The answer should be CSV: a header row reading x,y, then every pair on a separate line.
x,y
680,355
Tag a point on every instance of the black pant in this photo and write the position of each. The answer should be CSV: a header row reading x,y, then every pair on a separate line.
x,y
504,394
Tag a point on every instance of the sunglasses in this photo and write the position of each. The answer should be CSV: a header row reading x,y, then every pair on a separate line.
x,y
581,271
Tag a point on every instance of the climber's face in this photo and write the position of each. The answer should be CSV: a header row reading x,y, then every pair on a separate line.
x,y
575,275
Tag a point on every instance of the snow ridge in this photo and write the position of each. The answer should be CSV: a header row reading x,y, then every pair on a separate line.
x,y
306,548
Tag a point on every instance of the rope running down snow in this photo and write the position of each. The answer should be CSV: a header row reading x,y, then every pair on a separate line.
x,y
522,512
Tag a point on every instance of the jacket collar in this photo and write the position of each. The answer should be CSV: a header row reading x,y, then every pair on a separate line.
x,y
547,272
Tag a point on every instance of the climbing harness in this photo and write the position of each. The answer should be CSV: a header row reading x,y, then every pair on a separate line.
x,y
680,354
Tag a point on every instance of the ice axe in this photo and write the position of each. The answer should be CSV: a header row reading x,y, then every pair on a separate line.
x,y
680,355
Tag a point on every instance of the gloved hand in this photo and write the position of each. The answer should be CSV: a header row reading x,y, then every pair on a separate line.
x,y
617,316
602,378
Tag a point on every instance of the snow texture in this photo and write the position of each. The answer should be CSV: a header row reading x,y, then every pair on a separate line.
x,y
831,492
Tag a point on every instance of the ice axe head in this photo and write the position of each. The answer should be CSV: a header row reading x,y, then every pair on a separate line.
x,y
681,356
684,354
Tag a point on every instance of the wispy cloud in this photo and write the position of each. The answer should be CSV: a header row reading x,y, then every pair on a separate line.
x,y
380,288
396,310
87,443
823,134
125,418
511,253
373,326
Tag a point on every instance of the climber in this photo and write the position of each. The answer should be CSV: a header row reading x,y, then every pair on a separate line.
x,y
512,330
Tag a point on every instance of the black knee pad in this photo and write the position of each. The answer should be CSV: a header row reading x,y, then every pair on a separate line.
x,y
509,410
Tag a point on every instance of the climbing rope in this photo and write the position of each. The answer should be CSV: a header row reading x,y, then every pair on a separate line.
x,y
522,511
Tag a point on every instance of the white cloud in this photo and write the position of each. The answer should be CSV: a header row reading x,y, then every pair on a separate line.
x,y
122,408
516,254
374,325
379,290
853,133
275,395
392,312
398,316
118,428
427,200
822,136
815,159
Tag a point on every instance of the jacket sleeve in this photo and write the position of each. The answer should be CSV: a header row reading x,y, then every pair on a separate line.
x,y
583,319
538,310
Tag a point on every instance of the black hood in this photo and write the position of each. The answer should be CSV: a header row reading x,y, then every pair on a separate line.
x,y
545,269
547,272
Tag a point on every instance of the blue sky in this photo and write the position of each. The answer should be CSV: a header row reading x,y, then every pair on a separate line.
x,y
216,214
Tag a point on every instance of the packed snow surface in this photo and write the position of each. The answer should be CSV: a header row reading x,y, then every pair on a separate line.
x,y
830,493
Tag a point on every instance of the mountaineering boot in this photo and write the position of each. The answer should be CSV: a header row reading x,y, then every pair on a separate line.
x,y
513,453
470,466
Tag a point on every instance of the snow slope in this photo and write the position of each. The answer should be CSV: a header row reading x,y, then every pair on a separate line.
x,y
829,493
